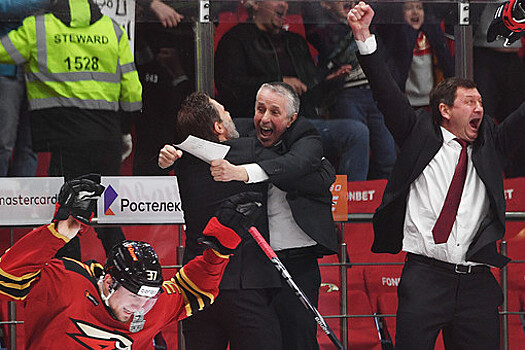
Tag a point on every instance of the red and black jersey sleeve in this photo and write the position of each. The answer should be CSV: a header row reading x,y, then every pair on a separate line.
x,y
198,281
21,265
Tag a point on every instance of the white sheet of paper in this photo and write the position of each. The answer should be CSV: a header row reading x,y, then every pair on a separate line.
x,y
204,149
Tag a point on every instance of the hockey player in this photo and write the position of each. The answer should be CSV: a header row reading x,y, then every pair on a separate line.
x,y
125,308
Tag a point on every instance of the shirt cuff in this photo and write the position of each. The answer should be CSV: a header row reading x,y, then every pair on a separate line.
x,y
255,173
367,47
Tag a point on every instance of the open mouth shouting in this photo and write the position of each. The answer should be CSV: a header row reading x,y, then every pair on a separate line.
x,y
265,134
475,123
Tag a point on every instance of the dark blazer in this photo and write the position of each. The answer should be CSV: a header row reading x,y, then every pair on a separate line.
x,y
246,58
201,197
311,204
419,139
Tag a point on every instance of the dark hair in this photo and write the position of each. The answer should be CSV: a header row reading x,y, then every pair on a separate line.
x,y
445,92
197,117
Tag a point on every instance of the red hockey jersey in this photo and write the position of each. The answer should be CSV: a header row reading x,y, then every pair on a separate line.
x,y
62,302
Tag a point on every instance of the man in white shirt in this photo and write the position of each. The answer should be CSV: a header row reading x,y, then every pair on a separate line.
x,y
446,284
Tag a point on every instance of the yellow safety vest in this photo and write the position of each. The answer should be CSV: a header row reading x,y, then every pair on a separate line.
x,y
82,65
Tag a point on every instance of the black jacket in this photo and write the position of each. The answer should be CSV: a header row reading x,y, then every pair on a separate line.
x,y
246,58
300,172
201,196
419,139
310,203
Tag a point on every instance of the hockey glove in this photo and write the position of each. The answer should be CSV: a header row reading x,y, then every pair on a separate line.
x,y
232,221
508,22
78,198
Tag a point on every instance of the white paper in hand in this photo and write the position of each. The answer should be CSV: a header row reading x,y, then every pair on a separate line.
x,y
203,149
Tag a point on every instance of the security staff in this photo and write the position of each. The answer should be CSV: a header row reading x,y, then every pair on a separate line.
x,y
80,75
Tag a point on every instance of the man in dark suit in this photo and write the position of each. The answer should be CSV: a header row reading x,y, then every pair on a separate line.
x,y
446,284
243,315
301,223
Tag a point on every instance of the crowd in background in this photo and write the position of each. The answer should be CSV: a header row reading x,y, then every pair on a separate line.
x,y
306,44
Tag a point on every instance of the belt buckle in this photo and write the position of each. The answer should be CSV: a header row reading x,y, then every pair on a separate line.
x,y
460,269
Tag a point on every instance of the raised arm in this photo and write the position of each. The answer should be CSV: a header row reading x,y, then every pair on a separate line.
x,y
198,281
392,102
168,155
21,265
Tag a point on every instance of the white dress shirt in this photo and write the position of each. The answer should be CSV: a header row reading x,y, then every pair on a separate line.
x,y
427,196
284,231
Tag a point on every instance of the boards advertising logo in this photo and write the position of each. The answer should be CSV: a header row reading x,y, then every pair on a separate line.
x,y
109,197
139,199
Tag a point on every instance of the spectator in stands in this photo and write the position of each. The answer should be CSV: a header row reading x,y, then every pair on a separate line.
x,y
261,51
15,127
77,92
500,75
165,63
453,152
166,15
310,231
417,53
328,31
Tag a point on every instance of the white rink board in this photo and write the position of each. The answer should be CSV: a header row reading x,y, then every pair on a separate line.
x,y
28,200
140,200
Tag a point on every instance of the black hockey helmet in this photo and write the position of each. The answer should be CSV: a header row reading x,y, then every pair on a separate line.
x,y
136,267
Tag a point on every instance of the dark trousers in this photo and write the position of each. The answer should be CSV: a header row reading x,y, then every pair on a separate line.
x,y
243,318
463,306
73,160
298,326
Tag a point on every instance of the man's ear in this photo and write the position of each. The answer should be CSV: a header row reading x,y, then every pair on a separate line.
x,y
292,119
217,127
106,282
445,111
219,130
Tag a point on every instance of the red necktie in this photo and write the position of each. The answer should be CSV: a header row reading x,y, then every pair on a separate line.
x,y
446,218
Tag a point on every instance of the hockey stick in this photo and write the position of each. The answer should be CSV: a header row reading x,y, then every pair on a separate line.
x,y
298,292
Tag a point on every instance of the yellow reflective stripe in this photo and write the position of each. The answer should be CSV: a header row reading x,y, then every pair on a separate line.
x,y
131,106
128,67
11,50
73,76
80,13
51,102
118,30
41,46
